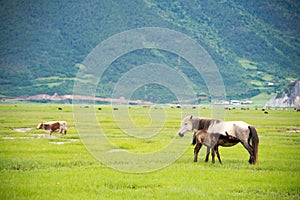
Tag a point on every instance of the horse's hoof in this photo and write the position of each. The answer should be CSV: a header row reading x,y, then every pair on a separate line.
x,y
251,160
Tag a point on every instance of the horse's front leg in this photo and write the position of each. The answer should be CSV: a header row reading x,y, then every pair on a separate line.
x,y
218,154
213,155
207,154
250,150
196,151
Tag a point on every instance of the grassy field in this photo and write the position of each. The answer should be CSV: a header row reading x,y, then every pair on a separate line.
x,y
34,166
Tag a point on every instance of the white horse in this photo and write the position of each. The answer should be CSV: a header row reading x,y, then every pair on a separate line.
x,y
238,130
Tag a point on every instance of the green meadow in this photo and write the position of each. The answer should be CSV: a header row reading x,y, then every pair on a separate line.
x,y
36,166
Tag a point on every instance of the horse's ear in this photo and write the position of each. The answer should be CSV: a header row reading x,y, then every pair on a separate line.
x,y
191,117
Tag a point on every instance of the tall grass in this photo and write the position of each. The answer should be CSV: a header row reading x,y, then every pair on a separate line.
x,y
33,167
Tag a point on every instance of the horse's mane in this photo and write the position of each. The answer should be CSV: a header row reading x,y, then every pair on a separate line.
x,y
204,123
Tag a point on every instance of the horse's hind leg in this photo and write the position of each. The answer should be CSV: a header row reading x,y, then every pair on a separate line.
x,y
207,154
196,151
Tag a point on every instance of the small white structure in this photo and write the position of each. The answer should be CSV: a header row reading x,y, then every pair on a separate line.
x,y
246,101
235,102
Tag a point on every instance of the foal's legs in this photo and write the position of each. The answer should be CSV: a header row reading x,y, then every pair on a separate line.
x,y
196,151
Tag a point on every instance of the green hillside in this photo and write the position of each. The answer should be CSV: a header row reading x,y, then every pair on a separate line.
x,y
251,42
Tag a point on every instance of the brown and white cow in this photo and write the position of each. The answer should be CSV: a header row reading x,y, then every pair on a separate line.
x,y
51,127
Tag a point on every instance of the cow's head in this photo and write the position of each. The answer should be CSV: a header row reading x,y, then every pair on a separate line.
x,y
40,126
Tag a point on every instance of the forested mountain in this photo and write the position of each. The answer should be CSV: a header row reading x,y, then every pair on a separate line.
x,y
255,44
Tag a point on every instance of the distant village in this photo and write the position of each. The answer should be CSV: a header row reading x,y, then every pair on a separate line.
x,y
234,102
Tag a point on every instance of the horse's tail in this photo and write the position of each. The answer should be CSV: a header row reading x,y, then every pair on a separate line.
x,y
255,142
194,139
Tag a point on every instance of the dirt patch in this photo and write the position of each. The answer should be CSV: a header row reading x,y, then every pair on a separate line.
x,y
59,143
13,138
293,131
65,141
32,136
115,150
42,136
22,130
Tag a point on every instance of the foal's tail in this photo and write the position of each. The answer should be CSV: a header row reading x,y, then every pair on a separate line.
x,y
255,142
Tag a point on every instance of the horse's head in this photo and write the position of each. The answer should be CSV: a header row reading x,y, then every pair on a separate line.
x,y
186,125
